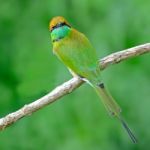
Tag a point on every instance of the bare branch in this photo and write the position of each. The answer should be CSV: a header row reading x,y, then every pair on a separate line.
x,y
123,55
70,85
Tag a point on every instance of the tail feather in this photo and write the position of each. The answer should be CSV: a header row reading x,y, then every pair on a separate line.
x,y
110,104
131,135
113,108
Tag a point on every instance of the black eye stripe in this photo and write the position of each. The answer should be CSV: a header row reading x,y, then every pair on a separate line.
x,y
60,25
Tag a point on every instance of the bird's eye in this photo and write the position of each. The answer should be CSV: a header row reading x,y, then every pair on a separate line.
x,y
60,24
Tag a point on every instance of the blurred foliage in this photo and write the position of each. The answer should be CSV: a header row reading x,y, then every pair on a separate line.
x,y
28,70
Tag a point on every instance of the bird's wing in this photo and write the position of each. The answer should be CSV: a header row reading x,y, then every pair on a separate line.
x,y
77,53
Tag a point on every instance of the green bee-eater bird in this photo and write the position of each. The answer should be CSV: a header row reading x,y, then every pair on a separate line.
x,y
76,52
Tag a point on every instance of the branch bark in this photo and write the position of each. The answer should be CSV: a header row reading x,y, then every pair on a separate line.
x,y
70,85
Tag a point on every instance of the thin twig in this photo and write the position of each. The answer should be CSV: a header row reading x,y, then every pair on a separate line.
x,y
70,85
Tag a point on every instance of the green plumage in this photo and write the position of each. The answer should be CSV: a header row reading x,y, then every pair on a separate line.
x,y
77,53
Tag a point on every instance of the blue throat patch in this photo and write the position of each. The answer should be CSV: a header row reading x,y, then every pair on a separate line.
x,y
59,33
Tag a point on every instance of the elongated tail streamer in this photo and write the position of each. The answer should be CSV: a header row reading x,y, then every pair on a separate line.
x,y
113,108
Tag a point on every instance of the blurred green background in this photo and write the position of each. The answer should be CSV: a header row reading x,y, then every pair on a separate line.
x,y
29,70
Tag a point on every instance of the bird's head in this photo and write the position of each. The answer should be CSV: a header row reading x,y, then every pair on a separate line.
x,y
59,28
